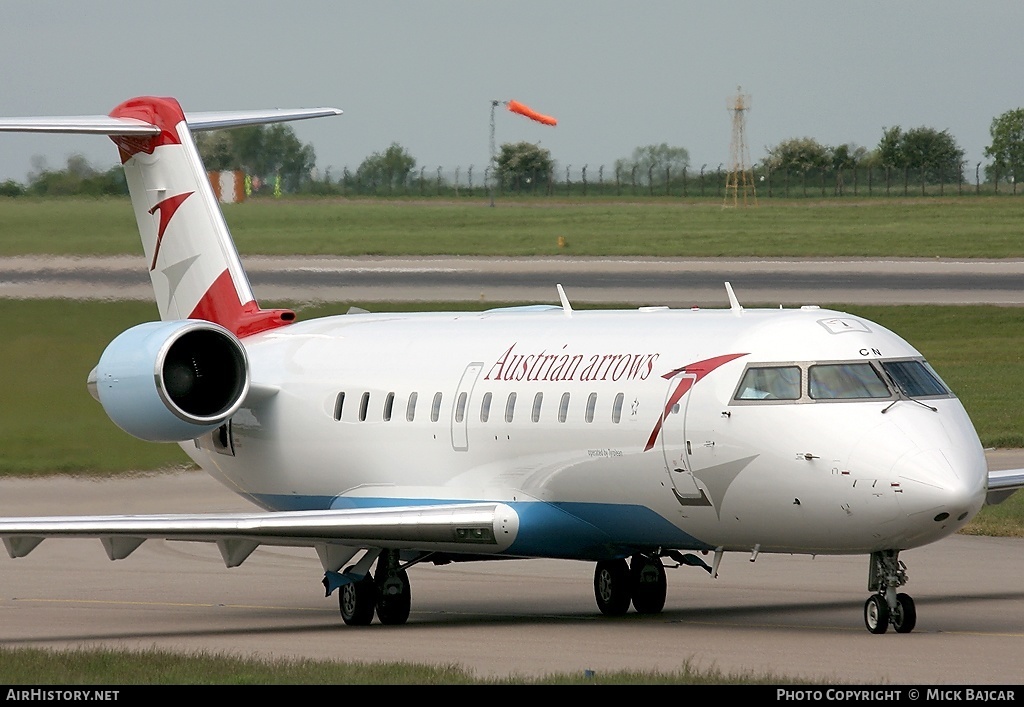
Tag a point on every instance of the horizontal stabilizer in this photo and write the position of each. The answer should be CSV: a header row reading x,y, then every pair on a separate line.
x,y
107,125
88,124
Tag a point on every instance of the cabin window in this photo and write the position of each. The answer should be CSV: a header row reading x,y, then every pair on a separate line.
x,y
617,408
591,406
460,407
485,407
563,407
843,381
770,383
339,405
435,408
538,399
410,407
915,379
364,403
510,407
389,406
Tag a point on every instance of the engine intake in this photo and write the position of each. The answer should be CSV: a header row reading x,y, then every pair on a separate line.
x,y
171,381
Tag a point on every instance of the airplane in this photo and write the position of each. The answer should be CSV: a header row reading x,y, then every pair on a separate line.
x,y
638,440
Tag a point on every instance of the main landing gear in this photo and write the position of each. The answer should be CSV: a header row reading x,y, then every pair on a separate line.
x,y
886,606
386,592
640,581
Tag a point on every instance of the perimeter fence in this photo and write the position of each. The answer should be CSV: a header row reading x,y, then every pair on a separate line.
x,y
587,181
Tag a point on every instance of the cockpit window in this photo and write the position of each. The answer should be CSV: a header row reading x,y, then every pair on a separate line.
x,y
770,383
915,378
843,381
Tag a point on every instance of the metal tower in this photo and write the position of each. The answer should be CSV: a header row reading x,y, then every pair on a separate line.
x,y
740,182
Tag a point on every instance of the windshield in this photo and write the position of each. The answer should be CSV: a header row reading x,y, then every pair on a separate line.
x,y
846,380
916,379
770,383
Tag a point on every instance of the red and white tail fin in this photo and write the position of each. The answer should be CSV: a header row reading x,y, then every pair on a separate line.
x,y
192,260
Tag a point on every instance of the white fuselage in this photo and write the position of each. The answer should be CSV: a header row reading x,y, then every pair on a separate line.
x,y
583,453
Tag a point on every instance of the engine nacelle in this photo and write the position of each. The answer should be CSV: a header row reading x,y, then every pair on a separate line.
x,y
171,381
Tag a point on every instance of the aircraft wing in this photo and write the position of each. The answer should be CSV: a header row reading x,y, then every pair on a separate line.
x,y
481,528
1002,484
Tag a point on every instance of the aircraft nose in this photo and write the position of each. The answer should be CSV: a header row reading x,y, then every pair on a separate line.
x,y
946,485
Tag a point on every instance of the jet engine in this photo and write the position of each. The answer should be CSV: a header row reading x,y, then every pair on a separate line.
x,y
171,381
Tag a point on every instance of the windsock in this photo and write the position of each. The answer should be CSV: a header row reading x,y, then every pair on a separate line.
x,y
517,107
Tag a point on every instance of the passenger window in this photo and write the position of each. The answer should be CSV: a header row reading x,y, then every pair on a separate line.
x,y
591,406
538,400
410,408
339,403
510,407
844,381
364,403
617,408
435,409
563,407
915,378
770,383
460,408
389,406
485,407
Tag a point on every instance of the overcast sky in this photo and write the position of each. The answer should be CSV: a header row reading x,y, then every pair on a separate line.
x,y
616,75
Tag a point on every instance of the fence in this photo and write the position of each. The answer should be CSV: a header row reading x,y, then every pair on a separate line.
x,y
587,181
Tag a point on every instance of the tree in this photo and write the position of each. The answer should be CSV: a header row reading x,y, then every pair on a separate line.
x,y
1007,148
260,151
521,162
798,154
933,153
389,168
651,161
77,178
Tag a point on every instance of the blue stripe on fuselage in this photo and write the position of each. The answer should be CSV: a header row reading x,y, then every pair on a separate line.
x,y
588,531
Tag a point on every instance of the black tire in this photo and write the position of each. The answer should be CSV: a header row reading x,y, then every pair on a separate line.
x,y
357,601
904,619
876,614
394,599
649,584
613,587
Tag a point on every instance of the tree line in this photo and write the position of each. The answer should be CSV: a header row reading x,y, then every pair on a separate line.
x,y
274,154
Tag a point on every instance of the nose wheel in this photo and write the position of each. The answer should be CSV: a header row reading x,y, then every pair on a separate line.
x,y
887,607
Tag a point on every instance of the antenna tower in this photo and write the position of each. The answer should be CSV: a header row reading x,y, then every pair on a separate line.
x,y
740,182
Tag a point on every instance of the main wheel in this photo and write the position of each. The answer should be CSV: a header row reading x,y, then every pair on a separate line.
x,y
394,598
612,587
649,584
357,601
905,617
876,614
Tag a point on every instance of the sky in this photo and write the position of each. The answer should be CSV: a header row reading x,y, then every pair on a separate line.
x,y
616,75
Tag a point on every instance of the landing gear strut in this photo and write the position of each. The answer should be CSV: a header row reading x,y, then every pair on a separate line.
x,y
886,606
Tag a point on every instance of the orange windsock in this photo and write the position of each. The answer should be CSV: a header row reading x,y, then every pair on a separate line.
x,y
517,107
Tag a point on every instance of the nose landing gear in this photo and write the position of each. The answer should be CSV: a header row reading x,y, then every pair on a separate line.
x,y
886,606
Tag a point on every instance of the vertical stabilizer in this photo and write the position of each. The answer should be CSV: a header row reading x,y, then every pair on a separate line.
x,y
192,260
193,264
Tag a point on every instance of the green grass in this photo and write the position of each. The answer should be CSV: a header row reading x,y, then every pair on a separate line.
x,y
105,667
977,227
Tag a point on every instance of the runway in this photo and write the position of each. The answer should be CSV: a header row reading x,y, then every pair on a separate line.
x,y
673,282
794,617
790,616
